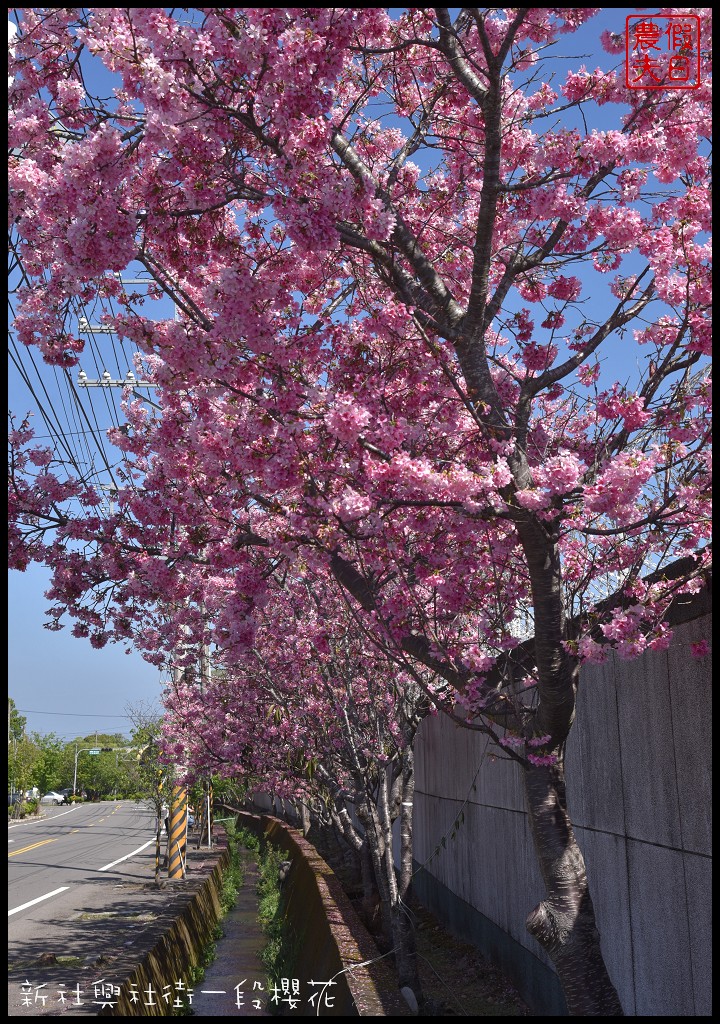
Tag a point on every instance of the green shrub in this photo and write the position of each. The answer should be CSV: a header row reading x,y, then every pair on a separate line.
x,y
280,945
243,837
280,950
232,880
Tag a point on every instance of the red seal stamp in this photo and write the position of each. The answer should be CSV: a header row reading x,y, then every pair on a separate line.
x,y
662,51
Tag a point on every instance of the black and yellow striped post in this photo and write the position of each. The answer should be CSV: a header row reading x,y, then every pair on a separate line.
x,y
178,833
158,826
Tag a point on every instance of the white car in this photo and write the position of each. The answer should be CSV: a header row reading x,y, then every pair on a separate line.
x,y
54,798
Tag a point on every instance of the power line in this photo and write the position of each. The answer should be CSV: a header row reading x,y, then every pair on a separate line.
x,y
70,714
67,429
67,433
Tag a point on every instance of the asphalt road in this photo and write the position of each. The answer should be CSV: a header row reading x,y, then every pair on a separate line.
x,y
52,860
81,893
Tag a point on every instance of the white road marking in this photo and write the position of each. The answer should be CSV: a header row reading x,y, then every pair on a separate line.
x,y
38,900
43,821
127,856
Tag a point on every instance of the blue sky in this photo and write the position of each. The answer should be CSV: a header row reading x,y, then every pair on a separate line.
x,y
61,684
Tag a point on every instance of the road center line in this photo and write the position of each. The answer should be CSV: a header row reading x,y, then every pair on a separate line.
x,y
38,900
33,846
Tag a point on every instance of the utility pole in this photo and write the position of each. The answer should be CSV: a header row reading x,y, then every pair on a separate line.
x,y
107,381
206,817
83,750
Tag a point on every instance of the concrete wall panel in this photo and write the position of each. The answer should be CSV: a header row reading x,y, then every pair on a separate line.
x,y
638,778
690,686
594,783
660,934
460,764
699,907
647,753
606,864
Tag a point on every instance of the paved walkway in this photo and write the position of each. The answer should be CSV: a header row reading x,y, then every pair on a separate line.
x,y
235,984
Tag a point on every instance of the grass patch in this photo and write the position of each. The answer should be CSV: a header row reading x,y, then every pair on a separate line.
x,y
232,882
70,961
280,950
233,878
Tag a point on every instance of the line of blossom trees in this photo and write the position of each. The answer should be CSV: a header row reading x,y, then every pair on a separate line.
x,y
45,762
438,364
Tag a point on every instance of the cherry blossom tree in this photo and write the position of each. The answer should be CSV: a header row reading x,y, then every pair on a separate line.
x,y
313,711
434,335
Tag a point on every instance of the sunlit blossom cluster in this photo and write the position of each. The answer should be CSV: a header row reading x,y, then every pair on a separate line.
x,y
437,357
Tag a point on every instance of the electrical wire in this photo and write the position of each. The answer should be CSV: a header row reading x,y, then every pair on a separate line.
x,y
74,423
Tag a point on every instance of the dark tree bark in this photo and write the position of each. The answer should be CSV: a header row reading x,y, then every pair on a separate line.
x,y
377,819
564,922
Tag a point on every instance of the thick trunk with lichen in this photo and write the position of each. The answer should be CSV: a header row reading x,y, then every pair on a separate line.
x,y
564,922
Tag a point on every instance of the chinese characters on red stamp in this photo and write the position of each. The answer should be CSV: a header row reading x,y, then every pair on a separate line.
x,y
662,51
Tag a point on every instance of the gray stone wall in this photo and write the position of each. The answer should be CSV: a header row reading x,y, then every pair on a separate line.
x,y
638,774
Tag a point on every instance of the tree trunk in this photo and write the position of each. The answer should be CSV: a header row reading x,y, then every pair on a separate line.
x,y
564,923
403,929
403,935
371,897
376,820
407,798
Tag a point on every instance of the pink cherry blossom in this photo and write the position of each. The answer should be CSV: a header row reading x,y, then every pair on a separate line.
x,y
436,376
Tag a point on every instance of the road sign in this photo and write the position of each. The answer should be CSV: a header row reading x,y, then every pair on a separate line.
x,y
94,751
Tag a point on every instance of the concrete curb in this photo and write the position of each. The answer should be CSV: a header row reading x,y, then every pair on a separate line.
x,y
331,941
173,950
